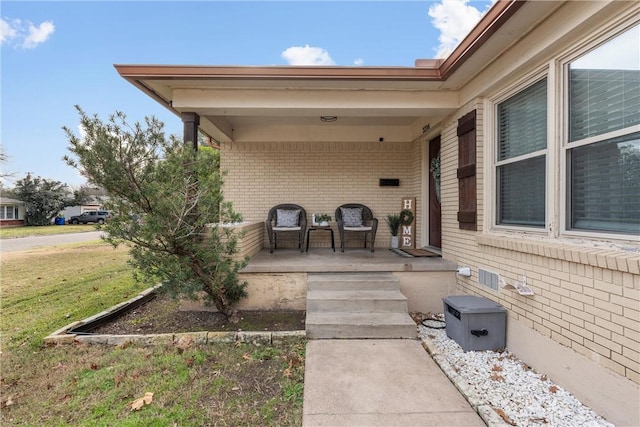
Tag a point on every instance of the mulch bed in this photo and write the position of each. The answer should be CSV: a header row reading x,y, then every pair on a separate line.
x,y
163,315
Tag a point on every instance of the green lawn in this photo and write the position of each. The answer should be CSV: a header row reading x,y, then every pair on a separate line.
x,y
88,385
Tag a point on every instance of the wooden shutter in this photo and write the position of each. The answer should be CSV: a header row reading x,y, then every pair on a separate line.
x,y
467,198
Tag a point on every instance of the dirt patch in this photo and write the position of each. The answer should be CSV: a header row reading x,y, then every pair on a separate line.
x,y
163,315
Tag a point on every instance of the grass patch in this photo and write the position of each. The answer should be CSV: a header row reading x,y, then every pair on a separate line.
x,y
88,385
214,384
44,289
45,230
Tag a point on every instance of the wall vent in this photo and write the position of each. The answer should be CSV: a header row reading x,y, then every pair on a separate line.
x,y
488,279
389,182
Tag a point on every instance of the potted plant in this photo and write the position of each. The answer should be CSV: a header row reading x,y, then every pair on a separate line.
x,y
323,219
394,222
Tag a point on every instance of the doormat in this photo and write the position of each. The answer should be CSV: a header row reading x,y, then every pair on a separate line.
x,y
420,252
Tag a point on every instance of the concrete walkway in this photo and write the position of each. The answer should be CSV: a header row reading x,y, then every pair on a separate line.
x,y
379,383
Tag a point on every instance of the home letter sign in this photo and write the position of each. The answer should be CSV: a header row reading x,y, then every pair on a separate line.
x,y
407,239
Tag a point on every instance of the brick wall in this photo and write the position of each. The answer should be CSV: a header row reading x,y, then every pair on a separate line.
x,y
11,223
587,297
320,177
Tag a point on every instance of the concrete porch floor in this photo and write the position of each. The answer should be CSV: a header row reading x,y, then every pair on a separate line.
x,y
324,260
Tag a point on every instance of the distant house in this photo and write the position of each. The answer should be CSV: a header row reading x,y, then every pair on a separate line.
x,y
521,150
11,212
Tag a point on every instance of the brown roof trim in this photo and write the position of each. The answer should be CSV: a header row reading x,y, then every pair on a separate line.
x,y
276,72
495,18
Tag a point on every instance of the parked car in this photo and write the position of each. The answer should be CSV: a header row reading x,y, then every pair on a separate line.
x,y
97,217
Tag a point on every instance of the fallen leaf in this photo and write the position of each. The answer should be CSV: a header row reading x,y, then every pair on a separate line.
x,y
497,377
504,416
496,368
184,343
137,404
543,377
94,367
287,373
553,389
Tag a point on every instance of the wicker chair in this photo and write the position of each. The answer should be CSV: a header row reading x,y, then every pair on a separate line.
x,y
356,219
286,218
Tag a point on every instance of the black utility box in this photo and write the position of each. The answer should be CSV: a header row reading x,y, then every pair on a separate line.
x,y
475,323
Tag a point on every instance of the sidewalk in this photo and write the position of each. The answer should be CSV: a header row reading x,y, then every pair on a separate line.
x,y
379,383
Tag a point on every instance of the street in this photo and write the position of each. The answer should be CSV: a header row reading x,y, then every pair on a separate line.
x,y
23,243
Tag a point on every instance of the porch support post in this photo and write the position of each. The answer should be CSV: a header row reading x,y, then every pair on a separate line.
x,y
190,122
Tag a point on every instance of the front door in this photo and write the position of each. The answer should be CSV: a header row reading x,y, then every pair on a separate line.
x,y
435,222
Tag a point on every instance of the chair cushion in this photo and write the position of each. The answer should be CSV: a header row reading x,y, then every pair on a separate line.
x,y
286,228
352,217
361,228
287,217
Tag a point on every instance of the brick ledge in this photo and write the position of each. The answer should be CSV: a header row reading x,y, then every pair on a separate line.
x,y
609,258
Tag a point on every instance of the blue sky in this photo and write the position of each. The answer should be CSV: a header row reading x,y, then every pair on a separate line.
x,y
57,54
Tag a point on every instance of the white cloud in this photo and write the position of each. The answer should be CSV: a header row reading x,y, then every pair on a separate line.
x,y
25,34
38,34
7,30
454,19
358,62
307,55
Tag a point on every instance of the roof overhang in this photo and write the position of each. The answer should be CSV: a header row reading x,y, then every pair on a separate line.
x,y
236,103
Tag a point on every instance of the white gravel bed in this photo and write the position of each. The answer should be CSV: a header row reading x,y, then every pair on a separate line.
x,y
518,395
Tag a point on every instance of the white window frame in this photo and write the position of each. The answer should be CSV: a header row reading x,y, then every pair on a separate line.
x,y
564,146
490,138
6,209
557,149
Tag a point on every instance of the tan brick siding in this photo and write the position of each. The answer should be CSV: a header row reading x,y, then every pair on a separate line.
x,y
586,298
320,177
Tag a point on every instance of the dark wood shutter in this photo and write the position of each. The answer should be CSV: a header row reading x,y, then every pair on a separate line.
x,y
467,198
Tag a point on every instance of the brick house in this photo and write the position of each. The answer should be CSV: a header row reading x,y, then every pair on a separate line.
x,y
11,212
534,122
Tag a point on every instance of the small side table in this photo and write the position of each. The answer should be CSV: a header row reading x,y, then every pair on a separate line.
x,y
321,228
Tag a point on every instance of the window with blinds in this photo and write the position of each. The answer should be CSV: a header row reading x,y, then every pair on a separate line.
x,y
603,147
605,185
521,157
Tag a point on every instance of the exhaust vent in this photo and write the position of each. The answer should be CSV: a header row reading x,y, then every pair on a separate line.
x,y
488,279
